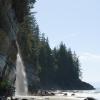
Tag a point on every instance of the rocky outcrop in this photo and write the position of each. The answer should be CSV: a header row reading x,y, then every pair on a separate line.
x,y
8,48
79,85
71,85
12,13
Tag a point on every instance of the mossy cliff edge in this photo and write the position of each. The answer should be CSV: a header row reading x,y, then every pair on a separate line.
x,y
12,22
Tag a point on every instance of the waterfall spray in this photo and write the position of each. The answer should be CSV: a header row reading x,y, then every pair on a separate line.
x,y
21,80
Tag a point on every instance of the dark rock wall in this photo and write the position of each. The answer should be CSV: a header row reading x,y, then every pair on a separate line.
x,y
12,39
8,48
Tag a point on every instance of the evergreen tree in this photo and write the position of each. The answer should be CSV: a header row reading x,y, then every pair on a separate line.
x,y
46,62
67,65
58,66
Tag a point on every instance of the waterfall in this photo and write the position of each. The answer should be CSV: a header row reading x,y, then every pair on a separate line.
x,y
21,81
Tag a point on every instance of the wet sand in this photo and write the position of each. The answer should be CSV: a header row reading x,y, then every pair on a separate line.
x,y
49,97
58,95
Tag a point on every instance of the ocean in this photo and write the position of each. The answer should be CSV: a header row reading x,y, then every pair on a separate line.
x,y
85,93
90,93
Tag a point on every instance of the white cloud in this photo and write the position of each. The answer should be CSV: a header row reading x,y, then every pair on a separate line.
x,y
86,56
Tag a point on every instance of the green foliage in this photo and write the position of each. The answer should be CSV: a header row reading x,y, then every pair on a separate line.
x,y
68,67
58,66
6,88
28,42
46,62
22,8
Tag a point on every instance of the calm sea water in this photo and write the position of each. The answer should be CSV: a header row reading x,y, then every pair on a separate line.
x,y
86,93
92,93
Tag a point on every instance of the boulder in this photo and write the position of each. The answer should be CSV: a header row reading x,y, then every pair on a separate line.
x,y
89,98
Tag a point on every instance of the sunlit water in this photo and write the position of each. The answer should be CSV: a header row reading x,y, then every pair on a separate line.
x,y
21,81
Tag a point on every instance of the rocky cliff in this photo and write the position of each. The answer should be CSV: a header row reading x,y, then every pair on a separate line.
x,y
12,15
8,48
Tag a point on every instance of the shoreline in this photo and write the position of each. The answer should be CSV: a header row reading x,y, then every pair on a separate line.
x,y
49,97
59,95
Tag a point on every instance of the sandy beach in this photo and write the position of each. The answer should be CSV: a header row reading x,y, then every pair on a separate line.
x,y
59,95
49,97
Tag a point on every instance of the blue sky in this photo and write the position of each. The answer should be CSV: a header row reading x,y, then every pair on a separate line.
x,y
77,24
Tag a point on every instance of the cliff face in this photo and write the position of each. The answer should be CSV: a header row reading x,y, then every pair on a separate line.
x,y
8,48
11,18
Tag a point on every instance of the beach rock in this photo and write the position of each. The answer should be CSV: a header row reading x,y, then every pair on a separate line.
x,y
65,94
72,94
89,98
52,94
24,99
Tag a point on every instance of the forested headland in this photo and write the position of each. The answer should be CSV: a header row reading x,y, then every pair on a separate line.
x,y
57,68
46,68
